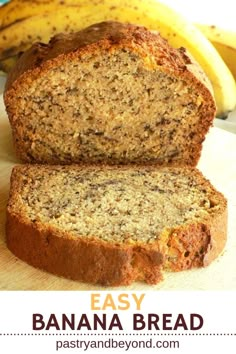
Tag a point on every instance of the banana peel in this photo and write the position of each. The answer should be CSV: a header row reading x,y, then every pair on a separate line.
x,y
6,65
225,43
17,10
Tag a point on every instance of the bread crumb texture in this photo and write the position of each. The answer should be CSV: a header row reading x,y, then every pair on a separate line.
x,y
112,93
128,204
172,211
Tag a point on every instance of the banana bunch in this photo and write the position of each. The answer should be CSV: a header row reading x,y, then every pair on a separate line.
x,y
25,22
225,43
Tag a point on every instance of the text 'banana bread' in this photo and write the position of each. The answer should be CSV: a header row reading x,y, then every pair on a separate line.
x,y
114,225
112,93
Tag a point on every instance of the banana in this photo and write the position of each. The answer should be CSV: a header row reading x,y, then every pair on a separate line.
x,y
7,64
20,35
16,10
224,41
153,14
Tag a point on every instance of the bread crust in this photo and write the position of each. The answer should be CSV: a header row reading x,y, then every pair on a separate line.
x,y
104,35
107,36
210,237
93,260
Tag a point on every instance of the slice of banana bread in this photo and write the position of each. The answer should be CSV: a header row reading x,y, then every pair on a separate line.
x,y
114,225
112,93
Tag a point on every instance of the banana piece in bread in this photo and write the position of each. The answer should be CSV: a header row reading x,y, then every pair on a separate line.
x,y
114,225
112,93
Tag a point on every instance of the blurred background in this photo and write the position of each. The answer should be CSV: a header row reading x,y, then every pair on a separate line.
x,y
220,13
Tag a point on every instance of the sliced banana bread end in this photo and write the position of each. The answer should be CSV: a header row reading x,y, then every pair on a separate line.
x,y
112,93
114,225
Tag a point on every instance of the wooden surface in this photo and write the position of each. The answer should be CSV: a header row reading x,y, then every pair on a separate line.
x,y
218,163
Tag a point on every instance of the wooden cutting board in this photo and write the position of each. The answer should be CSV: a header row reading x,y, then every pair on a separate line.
x,y
218,163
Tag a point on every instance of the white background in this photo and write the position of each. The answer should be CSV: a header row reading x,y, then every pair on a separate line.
x,y
222,13
218,334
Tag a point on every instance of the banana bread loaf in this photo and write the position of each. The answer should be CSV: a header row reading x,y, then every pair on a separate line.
x,y
114,224
113,92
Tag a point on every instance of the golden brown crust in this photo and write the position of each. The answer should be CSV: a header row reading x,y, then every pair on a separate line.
x,y
97,261
209,237
92,261
104,35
